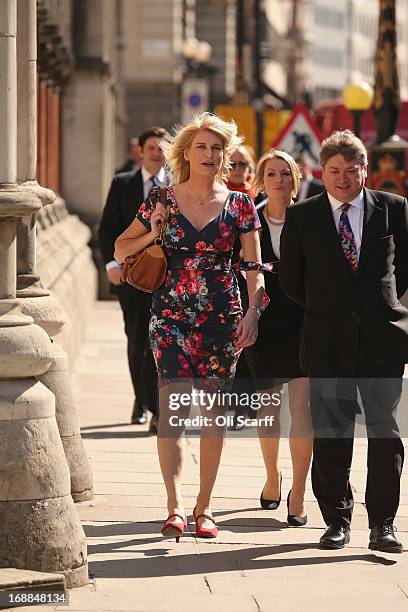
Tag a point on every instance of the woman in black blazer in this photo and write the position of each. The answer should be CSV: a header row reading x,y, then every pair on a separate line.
x,y
274,359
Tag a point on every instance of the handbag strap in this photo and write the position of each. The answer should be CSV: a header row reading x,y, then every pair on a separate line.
x,y
163,200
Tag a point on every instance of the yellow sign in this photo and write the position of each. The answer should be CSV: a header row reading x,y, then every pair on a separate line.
x,y
273,122
245,118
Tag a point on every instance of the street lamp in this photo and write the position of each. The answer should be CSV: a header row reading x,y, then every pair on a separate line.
x,y
357,98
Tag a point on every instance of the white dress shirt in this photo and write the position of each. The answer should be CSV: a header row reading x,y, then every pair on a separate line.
x,y
275,233
160,179
355,215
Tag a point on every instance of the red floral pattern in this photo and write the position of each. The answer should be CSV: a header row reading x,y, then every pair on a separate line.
x,y
196,312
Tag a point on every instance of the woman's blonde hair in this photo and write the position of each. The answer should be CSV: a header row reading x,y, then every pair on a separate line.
x,y
258,182
174,145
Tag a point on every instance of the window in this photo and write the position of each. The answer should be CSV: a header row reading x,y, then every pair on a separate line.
x,y
327,56
328,17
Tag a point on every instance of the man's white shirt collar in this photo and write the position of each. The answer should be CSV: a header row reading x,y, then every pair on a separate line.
x,y
358,201
146,175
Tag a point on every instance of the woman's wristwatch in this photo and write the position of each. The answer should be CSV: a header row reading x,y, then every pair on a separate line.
x,y
257,310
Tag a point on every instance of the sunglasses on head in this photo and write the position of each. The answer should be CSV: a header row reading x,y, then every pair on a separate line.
x,y
240,164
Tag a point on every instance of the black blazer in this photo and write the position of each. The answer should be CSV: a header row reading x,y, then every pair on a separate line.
x,y
282,317
124,199
350,317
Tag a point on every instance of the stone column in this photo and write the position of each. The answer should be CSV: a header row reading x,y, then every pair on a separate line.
x,y
39,526
37,301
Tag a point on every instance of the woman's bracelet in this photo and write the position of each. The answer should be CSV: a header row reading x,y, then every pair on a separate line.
x,y
257,310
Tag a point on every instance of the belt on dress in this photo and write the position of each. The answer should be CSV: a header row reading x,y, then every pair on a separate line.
x,y
204,261
219,263
216,262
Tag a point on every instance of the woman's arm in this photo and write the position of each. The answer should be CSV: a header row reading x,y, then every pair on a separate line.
x,y
248,327
251,247
137,236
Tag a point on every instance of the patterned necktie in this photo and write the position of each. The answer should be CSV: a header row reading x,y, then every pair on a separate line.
x,y
347,238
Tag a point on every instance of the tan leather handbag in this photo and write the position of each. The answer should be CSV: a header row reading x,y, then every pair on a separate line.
x,y
147,270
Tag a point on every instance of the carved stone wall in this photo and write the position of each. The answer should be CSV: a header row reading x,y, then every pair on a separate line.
x,y
65,265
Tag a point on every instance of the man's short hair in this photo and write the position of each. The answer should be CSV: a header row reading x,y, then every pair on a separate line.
x,y
152,132
344,143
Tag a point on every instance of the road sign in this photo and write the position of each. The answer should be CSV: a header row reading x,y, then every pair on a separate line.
x,y
301,136
194,98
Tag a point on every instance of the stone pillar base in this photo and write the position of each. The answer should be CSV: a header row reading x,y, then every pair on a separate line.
x,y
39,526
56,379
79,467
41,536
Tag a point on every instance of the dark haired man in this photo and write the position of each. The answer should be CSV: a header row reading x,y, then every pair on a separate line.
x,y
344,259
127,192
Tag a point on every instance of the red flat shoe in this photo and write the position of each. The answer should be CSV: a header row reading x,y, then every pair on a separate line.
x,y
204,532
172,529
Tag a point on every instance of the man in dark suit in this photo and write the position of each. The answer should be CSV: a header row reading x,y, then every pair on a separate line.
x,y
344,258
127,192
309,185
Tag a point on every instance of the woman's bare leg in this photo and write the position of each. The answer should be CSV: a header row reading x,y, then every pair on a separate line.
x,y
211,445
269,441
171,445
300,441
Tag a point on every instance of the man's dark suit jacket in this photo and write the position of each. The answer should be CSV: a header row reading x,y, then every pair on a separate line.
x,y
124,199
350,317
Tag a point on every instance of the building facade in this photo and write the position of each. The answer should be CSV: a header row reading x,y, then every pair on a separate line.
x,y
156,62
340,42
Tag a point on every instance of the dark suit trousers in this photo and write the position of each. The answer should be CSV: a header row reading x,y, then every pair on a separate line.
x,y
334,407
136,316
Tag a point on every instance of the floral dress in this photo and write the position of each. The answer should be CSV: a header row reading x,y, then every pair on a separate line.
x,y
196,312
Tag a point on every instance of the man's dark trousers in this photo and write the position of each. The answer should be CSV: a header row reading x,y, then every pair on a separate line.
x,y
136,316
334,407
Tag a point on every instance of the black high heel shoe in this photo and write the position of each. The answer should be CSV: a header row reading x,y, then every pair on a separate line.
x,y
292,519
272,504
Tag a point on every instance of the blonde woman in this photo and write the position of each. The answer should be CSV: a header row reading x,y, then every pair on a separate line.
x,y
242,167
274,358
197,329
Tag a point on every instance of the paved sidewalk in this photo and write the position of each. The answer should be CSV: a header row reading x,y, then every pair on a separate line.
x,y
256,564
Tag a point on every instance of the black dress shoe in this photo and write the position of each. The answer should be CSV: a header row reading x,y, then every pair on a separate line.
x,y
382,538
292,519
154,421
335,536
272,504
138,415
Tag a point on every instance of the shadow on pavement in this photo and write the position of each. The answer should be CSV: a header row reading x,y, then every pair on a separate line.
x,y
88,427
100,435
156,563
139,528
